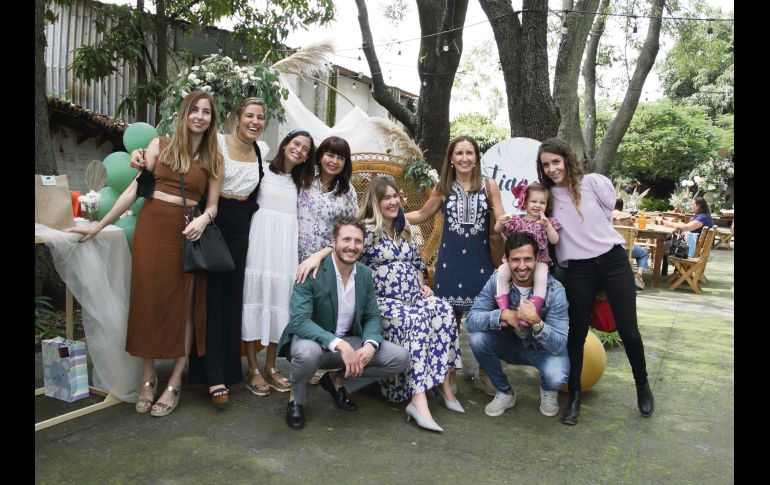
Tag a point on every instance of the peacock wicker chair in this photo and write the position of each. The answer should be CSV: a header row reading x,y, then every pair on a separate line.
x,y
367,166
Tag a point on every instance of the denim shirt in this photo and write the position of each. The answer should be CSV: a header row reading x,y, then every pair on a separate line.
x,y
484,316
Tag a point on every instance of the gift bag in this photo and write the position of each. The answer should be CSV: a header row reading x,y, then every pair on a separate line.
x,y
602,318
65,372
53,202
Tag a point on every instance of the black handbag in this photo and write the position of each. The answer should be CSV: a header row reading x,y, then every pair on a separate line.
x,y
210,253
679,247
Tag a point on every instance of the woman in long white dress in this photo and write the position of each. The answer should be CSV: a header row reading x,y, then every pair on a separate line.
x,y
271,262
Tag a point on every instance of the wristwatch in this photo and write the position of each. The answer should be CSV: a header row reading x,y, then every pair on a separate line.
x,y
537,328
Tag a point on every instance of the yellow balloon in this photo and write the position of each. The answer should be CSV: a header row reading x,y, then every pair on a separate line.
x,y
594,361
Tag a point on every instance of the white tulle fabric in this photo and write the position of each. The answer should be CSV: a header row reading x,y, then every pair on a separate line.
x,y
98,273
354,127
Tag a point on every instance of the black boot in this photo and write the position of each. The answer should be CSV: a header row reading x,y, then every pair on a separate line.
x,y
645,400
572,411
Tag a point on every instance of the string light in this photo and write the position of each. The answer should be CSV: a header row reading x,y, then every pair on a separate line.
x,y
709,32
315,84
564,28
445,48
425,83
354,85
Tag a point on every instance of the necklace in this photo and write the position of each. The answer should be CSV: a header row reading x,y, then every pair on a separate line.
x,y
241,140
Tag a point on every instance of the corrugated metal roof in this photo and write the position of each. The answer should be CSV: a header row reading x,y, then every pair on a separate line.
x,y
75,28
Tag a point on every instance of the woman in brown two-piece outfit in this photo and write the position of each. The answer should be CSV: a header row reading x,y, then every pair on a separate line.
x,y
167,304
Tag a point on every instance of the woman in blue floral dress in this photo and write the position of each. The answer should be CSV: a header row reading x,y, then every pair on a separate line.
x,y
466,198
412,316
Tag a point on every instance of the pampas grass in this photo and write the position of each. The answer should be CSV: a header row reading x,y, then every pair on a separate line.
x,y
310,60
395,137
95,176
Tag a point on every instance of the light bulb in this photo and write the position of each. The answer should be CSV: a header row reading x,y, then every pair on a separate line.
x,y
446,48
634,30
354,85
564,28
425,83
315,84
710,33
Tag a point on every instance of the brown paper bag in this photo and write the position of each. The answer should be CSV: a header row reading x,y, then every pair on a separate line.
x,y
53,203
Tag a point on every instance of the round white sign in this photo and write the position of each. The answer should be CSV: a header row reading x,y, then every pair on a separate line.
x,y
510,163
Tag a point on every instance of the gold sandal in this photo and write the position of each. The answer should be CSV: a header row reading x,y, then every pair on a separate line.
x,y
262,389
277,381
143,405
160,409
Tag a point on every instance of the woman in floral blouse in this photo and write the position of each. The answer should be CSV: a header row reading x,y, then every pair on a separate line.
x,y
329,196
412,316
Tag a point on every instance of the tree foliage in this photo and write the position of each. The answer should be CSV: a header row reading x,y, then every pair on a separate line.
x,y
665,142
125,33
699,71
480,127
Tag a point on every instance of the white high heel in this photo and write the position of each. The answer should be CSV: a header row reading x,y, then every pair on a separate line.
x,y
422,421
450,405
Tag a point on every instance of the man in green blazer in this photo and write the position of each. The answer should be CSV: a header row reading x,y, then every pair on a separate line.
x,y
335,323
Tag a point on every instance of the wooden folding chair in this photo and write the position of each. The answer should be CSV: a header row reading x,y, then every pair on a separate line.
x,y
725,236
691,270
629,234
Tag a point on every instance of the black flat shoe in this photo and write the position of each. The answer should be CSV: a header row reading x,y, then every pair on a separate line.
x,y
340,396
645,400
572,411
295,415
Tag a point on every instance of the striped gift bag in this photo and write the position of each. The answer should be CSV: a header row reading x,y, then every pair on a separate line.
x,y
65,371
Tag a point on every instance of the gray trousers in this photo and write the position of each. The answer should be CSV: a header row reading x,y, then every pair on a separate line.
x,y
307,357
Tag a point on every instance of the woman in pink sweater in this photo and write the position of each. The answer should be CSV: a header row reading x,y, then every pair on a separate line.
x,y
595,259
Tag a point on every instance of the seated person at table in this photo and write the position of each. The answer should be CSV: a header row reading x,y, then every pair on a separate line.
x,y
702,219
641,255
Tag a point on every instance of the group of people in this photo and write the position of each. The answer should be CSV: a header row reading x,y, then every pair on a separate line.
x,y
340,290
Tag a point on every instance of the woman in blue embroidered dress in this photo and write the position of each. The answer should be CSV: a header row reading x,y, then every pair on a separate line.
x,y
467,198
412,316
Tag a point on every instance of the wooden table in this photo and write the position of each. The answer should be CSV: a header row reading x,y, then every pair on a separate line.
x,y
659,234
109,398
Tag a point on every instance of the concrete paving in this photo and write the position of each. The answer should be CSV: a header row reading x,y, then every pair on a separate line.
x,y
689,344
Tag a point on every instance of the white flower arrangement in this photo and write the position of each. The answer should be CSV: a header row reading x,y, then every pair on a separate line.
x,y
89,204
229,84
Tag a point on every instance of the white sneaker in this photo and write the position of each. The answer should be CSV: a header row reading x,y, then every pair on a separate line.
x,y
500,403
549,402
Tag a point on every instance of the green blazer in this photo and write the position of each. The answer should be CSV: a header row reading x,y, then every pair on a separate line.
x,y
313,308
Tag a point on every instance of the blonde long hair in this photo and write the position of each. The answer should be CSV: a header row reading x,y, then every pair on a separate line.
x,y
370,211
448,175
178,154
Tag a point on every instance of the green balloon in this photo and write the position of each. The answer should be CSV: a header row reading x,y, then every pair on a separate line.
x,y
109,197
119,171
128,224
137,206
138,135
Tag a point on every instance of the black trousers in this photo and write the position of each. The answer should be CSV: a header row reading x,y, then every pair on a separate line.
x,y
612,273
224,302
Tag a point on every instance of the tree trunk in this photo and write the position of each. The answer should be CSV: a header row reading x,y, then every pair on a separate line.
x,y
161,74
438,61
523,49
381,92
589,78
45,162
619,125
141,69
430,124
565,83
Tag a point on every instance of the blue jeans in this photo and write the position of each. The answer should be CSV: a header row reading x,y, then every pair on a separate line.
x,y
641,256
490,347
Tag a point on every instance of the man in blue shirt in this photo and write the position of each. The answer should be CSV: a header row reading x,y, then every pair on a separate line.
x,y
496,334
